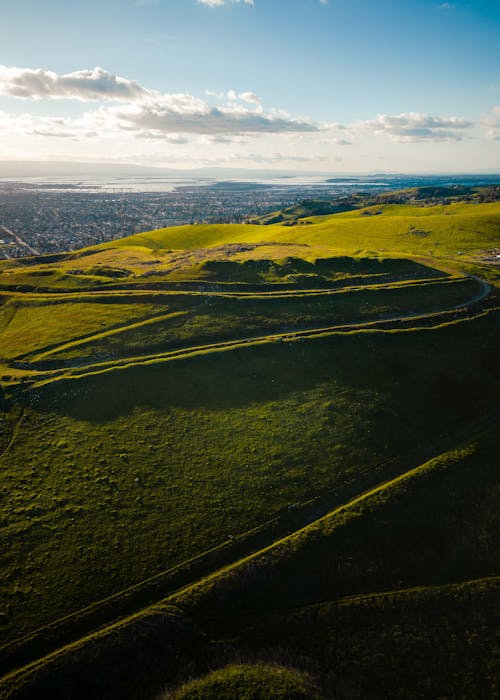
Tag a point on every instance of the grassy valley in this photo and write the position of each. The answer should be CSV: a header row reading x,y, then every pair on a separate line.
x,y
267,451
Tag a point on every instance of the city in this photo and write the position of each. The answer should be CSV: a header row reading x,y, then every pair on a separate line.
x,y
48,218
43,220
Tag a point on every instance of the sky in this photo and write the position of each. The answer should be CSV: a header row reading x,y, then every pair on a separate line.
x,y
334,86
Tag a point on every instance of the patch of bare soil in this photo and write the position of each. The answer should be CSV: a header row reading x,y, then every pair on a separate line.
x,y
491,257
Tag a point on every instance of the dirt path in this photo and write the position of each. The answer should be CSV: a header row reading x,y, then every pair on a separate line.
x,y
102,367
485,290
58,295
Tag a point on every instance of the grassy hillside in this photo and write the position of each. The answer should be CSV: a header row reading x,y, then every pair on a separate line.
x,y
286,605
249,683
447,229
244,421
421,196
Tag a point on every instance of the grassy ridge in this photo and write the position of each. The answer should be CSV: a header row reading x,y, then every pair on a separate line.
x,y
249,682
29,326
237,448
440,232
434,524
215,318
436,641
451,228
421,640
245,612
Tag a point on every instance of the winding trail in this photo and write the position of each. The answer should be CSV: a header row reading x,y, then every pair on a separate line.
x,y
43,352
439,315
486,288
58,295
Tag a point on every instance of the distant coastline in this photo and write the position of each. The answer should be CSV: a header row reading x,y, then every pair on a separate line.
x,y
170,181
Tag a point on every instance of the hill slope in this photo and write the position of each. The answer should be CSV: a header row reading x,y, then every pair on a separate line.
x,y
177,404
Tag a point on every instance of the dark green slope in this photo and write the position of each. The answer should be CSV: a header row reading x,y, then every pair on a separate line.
x,y
415,555
272,450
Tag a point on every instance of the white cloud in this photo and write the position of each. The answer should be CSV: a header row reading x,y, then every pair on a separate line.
x,y
232,126
220,3
83,85
277,157
413,127
171,119
250,97
146,112
217,139
336,141
175,139
446,6
29,125
53,133
214,93
493,123
190,115
247,96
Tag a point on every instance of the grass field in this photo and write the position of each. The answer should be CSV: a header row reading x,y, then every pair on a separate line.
x,y
241,436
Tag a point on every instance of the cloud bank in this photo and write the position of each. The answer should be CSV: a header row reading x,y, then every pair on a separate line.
x,y
414,127
190,115
83,85
153,114
231,125
147,110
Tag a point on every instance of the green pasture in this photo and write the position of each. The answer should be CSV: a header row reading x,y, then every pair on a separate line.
x,y
249,682
450,229
29,325
440,232
433,525
216,457
113,478
212,318
401,572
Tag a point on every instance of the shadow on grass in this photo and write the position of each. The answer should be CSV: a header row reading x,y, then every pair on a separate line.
x,y
431,370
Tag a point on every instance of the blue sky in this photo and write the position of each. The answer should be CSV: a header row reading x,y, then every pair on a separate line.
x,y
344,86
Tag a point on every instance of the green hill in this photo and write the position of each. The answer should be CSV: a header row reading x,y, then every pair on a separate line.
x,y
249,683
421,196
261,445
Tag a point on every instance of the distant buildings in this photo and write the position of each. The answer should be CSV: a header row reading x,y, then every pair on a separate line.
x,y
52,221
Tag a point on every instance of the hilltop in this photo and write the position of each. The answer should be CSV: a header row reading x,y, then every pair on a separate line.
x,y
425,195
266,448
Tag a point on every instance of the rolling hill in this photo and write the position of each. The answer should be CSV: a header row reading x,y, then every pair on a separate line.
x,y
264,450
